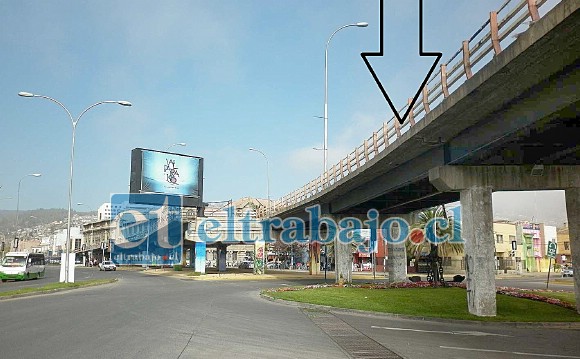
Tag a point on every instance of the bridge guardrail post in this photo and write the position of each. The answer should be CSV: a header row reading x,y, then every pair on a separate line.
x,y
494,30
466,63
426,100
533,9
411,114
444,80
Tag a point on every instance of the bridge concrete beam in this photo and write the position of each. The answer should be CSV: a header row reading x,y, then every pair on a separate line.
x,y
504,178
476,184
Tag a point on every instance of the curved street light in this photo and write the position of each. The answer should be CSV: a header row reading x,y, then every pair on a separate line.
x,y
265,255
325,147
182,144
325,144
267,177
72,155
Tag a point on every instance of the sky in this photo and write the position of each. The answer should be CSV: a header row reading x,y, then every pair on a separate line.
x,y
219,75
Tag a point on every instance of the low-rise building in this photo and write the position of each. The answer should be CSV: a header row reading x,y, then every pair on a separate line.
x,y
563,253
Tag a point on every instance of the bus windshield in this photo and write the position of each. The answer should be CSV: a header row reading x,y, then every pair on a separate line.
x,y
14,261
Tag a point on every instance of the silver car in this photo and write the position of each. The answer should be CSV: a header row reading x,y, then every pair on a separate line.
x,y
107,265
568,272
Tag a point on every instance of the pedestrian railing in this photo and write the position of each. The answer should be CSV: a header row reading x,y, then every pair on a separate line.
x,y
481,47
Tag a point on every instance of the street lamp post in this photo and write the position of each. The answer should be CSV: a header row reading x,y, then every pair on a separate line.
x,y
74,124
18,197
325,144
267,178
265,255
325,147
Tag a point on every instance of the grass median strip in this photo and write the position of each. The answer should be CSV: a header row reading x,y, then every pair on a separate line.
x,y
450,303
52,287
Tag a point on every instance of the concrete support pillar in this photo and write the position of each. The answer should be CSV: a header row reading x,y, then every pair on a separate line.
x,y
397,256
221,257
199,257
342,256
314,251
477,218
188,255
342,262
260,257
573,211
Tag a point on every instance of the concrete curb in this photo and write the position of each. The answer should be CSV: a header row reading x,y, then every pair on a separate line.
x,y
547,325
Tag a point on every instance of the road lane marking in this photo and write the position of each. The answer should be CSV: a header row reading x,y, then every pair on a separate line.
x,y
514,353
470,333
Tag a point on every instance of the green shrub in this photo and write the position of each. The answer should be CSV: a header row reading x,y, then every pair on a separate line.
x,y
178,267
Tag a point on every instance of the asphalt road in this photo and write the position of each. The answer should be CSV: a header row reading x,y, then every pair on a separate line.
x,y
143,316
434,340
537,281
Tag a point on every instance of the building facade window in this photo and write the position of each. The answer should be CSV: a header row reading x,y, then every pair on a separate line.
x,y
567,246
499,238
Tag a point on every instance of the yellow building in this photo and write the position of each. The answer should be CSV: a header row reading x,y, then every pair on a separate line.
x,y
507,259
505,238
564,255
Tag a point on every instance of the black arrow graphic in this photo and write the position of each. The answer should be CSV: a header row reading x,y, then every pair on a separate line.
x,y
422,53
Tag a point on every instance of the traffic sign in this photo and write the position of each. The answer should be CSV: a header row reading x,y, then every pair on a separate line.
x,y
552,249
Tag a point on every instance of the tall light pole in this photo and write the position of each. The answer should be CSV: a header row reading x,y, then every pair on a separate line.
x,y
182,144
267,178
265,259
18,196
74,124
325,147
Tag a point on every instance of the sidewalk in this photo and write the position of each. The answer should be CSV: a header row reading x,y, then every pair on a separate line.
x,y
271,274
284,274
241,275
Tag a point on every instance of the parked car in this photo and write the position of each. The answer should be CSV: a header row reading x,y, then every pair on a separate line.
x,y
567,272
367,266
107,265
246,265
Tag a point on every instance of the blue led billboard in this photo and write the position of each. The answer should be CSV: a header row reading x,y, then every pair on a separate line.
x,y
167,173
170,173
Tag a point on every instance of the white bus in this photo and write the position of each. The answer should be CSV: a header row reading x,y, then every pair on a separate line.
x,y
22,266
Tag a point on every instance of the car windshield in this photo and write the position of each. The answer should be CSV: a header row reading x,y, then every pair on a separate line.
x,y
14,261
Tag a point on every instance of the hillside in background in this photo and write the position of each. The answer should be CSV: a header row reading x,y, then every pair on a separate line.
x,y
34,217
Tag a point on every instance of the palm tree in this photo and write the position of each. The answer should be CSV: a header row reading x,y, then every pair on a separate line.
x,y
435,251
